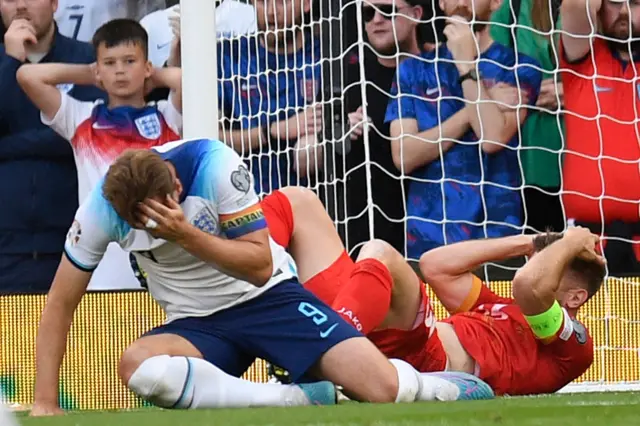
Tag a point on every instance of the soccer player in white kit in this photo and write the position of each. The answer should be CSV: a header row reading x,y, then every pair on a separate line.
x,y
189,213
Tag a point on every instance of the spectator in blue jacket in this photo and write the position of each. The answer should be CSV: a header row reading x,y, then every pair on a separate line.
x,y
39,193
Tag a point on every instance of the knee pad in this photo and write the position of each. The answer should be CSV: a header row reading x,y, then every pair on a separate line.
x,y
161,380
409,382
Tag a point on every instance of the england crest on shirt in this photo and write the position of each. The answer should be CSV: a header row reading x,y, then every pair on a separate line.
x,y
205,222
149,126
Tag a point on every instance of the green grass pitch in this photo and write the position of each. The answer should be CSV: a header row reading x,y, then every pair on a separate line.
x,y
601,409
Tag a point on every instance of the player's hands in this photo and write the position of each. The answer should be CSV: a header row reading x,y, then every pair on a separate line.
x,y
39,410
18,37
170,223
356,120
461,42
508,97
550,92
306,122
586,243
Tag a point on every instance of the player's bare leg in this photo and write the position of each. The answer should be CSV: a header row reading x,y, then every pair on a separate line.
x,y
167,370
314,243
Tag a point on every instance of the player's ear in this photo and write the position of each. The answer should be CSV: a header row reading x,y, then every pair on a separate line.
x,y
178,189
575,298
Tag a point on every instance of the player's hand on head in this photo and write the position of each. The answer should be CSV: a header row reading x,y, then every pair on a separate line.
x,y
586,242
39,410
164,220
19,35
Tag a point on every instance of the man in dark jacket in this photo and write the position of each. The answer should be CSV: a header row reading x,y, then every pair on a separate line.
x,y
38,190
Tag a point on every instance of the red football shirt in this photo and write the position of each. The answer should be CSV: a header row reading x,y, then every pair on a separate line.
x,y
601,169
508,355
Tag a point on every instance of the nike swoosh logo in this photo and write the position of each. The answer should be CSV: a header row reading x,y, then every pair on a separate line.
x,y
325,334
432,91
162,46
97,126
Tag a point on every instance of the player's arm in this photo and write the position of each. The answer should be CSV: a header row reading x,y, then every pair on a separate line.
x,y
39,82
448,269
69,285
579,19
86,243
171,78
244,253
535,285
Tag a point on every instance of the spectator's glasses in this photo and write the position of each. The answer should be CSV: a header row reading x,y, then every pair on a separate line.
x,y
387,11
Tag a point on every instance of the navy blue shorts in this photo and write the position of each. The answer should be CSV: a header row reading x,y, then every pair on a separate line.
x,y
286,325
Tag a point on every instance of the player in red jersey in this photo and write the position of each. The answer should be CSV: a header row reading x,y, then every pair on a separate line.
x,y
504,341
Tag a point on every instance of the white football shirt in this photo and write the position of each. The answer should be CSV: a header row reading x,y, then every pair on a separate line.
x,y
216,182
98,136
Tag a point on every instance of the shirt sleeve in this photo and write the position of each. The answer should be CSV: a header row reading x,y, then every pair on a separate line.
x,y
171,115
481,294
70,115
401,104
90,233
529,77
234,194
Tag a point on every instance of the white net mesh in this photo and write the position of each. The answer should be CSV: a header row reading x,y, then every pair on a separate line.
x,y
386,175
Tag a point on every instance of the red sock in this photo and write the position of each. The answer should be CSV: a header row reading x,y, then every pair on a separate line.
x,y
279,216
364,301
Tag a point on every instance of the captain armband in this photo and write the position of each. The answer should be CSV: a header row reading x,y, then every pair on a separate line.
x,y
547,324
244,222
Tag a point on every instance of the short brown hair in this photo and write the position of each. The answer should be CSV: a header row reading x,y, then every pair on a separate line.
x,y
591,274
136,175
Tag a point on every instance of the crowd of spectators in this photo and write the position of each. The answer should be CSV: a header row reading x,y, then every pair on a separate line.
x,y
482,118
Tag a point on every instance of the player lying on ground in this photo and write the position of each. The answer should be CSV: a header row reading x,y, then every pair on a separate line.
x,y
188,212
503,341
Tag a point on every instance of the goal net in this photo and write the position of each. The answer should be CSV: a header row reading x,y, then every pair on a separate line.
x,y
289,116
513,185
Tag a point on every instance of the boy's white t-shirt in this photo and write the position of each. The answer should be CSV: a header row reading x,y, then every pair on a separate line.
x,y
98,136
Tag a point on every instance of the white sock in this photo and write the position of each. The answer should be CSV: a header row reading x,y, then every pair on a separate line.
x,y
409,381
435,388
181,382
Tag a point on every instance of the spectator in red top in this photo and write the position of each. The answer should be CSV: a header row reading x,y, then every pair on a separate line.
x,y
601,173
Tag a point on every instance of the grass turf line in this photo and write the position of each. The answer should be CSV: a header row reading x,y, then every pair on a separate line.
x,y
610,409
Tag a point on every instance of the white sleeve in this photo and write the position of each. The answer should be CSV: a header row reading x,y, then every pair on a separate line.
x,y
160,36
234,190
89,235
171,115
70,115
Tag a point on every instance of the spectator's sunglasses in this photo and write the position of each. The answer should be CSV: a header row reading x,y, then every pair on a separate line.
x,y
387,11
